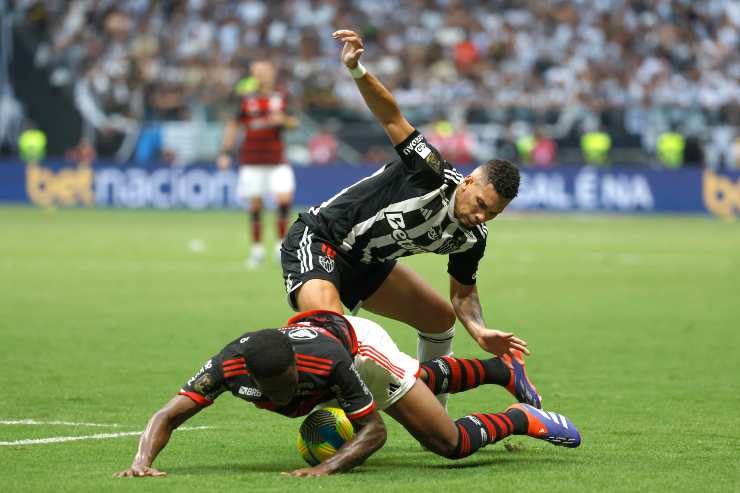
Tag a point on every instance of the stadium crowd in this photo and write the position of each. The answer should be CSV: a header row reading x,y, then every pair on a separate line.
x,y
540,61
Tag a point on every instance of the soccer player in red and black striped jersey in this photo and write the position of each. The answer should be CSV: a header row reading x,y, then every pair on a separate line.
x,y
263,167
323,357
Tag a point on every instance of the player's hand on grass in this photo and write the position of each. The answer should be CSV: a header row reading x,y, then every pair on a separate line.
x,y
308,472
500,343
139,472
353,47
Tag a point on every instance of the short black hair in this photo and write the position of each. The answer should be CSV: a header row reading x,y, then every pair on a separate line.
x,y
504,176
268,353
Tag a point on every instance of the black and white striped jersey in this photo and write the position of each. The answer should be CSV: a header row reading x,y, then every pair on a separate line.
x,y
405,208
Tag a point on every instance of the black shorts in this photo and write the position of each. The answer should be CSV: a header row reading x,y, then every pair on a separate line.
x,y
305,255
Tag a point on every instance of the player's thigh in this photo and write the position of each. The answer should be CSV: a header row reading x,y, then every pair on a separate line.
x,y
318,294
406,296
282,184
423,416
388,372
253,182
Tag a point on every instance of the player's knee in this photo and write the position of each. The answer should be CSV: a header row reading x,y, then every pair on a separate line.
x,y
444,317
445,448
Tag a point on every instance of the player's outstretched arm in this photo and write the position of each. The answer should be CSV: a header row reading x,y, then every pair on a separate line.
x,y
157,434
369,437
468,309
379,99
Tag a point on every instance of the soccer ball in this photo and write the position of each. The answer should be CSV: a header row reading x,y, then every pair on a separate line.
x,y
322,433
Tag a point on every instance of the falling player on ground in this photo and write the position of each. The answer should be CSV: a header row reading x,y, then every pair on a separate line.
x,y
323,358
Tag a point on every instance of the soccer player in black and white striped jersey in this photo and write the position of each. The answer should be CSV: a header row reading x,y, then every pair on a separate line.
x,y
344,251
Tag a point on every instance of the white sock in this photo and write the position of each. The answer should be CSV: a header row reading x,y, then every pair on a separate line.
x,y
432,345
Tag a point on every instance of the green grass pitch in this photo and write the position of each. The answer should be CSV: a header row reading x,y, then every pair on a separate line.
x,y
633,325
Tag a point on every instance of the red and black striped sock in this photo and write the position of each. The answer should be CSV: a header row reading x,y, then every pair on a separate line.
x,y
451,375
478,430
256,226
282,222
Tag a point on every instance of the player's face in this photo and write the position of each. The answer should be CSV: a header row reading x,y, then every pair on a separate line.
x,y
279,389
264,72
476,201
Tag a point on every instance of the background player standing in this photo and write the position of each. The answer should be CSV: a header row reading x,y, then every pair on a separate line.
x,y
263,168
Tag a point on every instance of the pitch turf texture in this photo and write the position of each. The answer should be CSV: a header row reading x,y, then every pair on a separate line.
x,y
633,325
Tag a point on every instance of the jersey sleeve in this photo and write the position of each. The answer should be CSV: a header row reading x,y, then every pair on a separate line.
x,y
350,391
206,385
463,266
419,156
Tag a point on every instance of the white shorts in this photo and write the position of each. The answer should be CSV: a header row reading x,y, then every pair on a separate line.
x,y
259,180
387,372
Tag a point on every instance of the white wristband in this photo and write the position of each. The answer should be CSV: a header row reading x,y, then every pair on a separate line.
x,y
358,72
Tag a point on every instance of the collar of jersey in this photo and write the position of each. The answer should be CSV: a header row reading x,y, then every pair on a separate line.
x,y
451,208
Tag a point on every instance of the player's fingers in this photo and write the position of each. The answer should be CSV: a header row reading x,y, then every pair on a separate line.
x,y
521,348
350,38
343,32
157,474
519,341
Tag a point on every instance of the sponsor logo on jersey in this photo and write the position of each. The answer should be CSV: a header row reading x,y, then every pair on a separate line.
x,y
204,384
412,145
206,366
395,220
249,391
302,334
435,233
422,150
426,213
327,263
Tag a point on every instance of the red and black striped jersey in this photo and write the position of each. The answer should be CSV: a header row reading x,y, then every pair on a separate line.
x,y
263,140
324,344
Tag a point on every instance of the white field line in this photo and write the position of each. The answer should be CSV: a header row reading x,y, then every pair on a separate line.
x,y
99,436
58,423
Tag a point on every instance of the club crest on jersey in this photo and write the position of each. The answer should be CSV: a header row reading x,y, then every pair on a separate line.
x,y
303,334
327,263
434,233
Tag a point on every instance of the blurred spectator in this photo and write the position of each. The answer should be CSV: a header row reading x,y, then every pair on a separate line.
x,y
377,155
736,153
322,147
544,150
453,142
83,153
655,63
